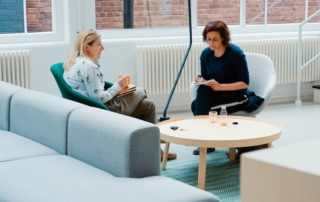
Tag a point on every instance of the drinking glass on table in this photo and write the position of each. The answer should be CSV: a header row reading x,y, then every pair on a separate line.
x,y
213,116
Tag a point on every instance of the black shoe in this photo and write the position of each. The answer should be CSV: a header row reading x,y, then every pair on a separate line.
x,y
209,150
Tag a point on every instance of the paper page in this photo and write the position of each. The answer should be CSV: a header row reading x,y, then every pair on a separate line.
x,y
203,82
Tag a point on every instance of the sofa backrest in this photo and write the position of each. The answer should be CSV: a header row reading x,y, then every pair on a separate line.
x,y
120,145
42,117
6,92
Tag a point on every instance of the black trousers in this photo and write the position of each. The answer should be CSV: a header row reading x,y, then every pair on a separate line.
x,y
210,100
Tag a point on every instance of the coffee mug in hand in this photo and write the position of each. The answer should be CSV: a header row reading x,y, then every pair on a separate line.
x,y
126,75
213,116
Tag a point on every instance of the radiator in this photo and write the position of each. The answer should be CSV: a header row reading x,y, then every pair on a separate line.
x,y
158,65
15,67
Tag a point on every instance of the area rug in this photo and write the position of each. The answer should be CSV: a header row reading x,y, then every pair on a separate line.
x,y
222,174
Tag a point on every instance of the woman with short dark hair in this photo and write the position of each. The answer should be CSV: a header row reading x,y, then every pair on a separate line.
x,y
225,65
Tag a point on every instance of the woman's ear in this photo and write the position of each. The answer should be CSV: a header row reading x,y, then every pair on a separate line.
x,y
87,47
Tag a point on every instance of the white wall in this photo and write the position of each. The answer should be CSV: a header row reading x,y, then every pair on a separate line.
x,y
120,57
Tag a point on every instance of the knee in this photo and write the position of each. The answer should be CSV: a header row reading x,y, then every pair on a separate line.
x,y
193,107
149,104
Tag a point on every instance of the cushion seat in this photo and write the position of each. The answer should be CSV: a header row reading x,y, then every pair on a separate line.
x,y
14,147
68,179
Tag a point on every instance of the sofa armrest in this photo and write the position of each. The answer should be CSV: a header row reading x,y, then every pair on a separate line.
x,y
120,145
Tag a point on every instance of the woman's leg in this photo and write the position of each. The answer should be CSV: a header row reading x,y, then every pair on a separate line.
x,y
146,111
202,105
127,104
234,101
203,102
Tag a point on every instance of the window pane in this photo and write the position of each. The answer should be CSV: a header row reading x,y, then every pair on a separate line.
x,y
146,13
286,11
255,12
39,16
228,11
11,17
314,6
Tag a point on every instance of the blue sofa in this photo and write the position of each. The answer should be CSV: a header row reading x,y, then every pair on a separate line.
x,y
53,149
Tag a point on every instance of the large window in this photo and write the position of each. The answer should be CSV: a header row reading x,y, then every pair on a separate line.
x,y
39,16
48,20
145,13
314,6
284,11
27,16
226,10
174,13
255,12
27,21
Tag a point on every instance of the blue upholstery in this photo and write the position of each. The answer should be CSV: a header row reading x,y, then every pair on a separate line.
x,y
60,150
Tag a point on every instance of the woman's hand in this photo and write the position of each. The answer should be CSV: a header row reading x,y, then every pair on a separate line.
x,y
214,85
123,82
199,79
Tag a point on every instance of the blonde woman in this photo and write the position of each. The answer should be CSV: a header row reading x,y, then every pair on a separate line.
x,y
83,74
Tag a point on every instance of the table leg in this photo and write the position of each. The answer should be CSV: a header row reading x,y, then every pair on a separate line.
x,y
165,156
232,154
202,168
270,145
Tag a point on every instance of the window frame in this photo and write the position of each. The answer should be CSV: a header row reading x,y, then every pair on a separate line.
x,y
57,33
272,30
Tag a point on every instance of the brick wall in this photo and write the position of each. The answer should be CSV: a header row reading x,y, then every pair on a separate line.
x,y
151,14
11,16
314,6
39,18
157,13
286,11
226,10
174,13
39,15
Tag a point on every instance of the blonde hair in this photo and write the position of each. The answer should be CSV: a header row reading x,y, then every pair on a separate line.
x,y
87,36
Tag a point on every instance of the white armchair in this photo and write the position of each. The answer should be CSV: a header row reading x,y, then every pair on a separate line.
x,y
262,81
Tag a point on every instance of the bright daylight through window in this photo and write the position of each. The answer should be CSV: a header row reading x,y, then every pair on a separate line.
x,y
25,16
112,14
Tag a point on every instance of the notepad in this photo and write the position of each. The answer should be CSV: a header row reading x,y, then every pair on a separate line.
x,y
203,82
129,89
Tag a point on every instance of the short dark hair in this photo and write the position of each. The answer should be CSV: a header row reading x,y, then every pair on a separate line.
x,y
217,26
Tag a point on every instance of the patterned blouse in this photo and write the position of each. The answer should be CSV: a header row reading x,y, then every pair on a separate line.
x,y
85,77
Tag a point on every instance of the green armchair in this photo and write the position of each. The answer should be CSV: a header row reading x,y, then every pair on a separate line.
x,y
67,92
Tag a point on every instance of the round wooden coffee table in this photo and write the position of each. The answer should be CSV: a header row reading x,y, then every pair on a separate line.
x,y
199,132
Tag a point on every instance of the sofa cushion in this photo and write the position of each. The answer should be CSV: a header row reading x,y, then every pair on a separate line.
x,y
62,178
13,147
118,144
7,90
42,117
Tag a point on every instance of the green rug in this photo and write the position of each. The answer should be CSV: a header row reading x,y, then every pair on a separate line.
x,y
222,175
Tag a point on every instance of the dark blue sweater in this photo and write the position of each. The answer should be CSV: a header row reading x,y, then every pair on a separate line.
x,y
229,68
